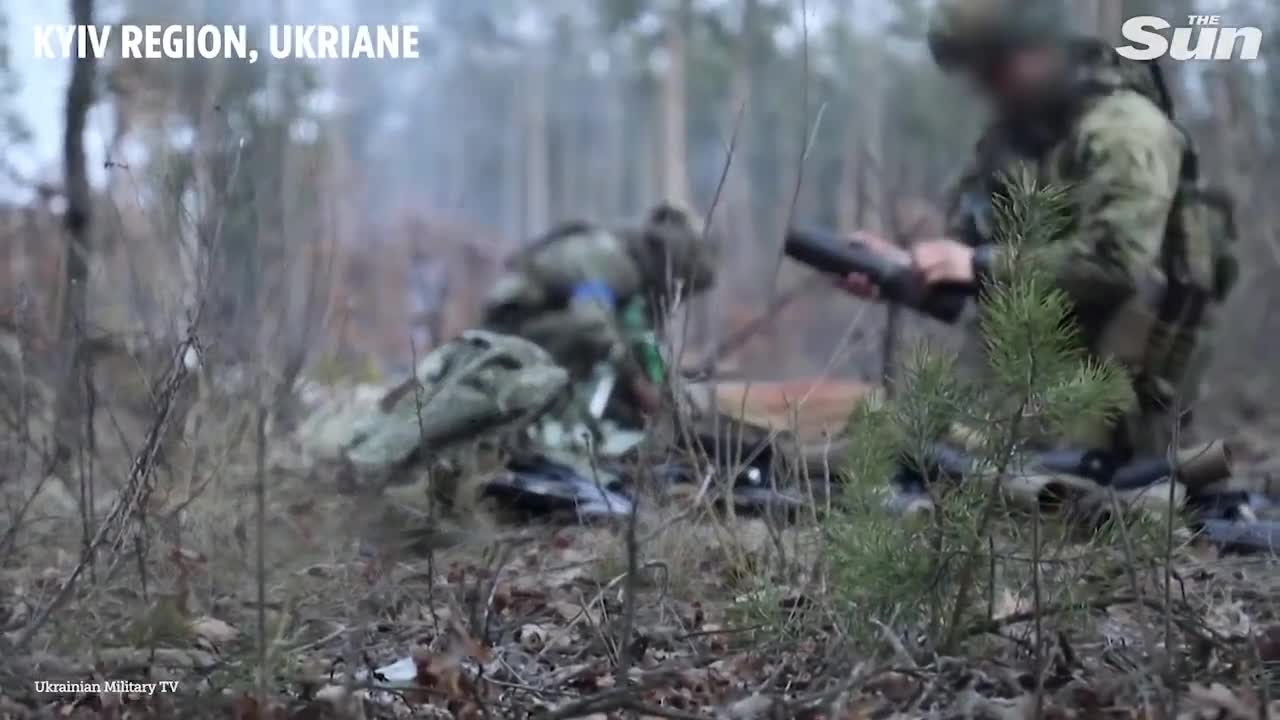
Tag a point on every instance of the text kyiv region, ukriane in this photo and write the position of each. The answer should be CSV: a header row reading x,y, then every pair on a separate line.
x,y
151,42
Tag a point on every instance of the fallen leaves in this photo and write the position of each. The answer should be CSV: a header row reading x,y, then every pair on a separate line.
x,y
213,631
748,708
896,687
1267,643
247,707
538,628
532,637
575,613
1229,619
1224,703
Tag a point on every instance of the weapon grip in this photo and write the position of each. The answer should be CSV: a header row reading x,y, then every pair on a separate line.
x,y
828,252
945,301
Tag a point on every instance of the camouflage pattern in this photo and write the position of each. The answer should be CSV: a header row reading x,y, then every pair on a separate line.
x,y
966,32
1133,229
522,384
571,290
479,386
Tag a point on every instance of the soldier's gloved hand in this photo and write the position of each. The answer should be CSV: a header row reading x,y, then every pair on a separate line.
x,y
859,284
942,261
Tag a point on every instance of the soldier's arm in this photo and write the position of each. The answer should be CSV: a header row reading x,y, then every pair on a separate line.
x,y
590,333
966,183
968,194
579,331
513,297
1126,157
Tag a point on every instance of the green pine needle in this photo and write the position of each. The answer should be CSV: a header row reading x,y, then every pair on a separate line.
x,y
1039,381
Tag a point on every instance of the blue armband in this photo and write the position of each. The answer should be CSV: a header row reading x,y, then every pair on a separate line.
x,y
595,290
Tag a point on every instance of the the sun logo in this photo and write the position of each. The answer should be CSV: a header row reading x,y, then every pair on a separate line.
x,y
1211,40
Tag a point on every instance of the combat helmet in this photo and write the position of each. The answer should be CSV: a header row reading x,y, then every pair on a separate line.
x,y
673,245
967,33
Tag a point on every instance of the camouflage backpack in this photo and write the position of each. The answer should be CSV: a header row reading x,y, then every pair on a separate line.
x,y
1202,211
1203,222
480,388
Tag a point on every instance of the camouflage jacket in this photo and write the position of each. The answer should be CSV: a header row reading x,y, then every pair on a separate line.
x,y
1123,161
582,291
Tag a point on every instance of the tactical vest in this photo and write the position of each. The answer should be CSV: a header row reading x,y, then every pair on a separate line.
x,y
1156,333
579,269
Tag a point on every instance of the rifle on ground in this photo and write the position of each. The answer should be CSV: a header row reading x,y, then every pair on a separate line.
x,y
829,252
1223,517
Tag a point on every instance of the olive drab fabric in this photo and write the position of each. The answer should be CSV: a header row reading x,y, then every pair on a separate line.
x,y
1145,256
578,291
479,386
673,253
575,301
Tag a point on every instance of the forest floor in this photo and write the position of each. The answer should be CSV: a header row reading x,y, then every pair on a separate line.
x,y
721,617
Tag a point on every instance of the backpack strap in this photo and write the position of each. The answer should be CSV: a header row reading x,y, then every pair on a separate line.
x,y
1164,99
1182,306
1189,291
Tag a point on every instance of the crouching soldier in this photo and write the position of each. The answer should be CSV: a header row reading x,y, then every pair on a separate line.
x,y
580,303
594,298
1145,258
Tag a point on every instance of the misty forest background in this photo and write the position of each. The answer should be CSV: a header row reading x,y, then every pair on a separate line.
x,y
338,217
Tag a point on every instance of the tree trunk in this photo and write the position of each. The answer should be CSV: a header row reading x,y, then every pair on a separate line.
x,y
512,175
735,213
1240,133
849,200
609,176
76,223
874,195
675,101
459,175
537,176
739,191
1112,16
569,141
646,180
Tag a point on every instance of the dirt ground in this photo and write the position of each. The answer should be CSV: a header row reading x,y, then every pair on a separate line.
x,y
720,617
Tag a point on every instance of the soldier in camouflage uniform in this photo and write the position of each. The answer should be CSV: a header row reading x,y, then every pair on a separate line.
x,y
593,297
1145,257
580,298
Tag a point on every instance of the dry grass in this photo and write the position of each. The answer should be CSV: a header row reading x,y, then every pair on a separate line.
x,y
281,609
728,616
